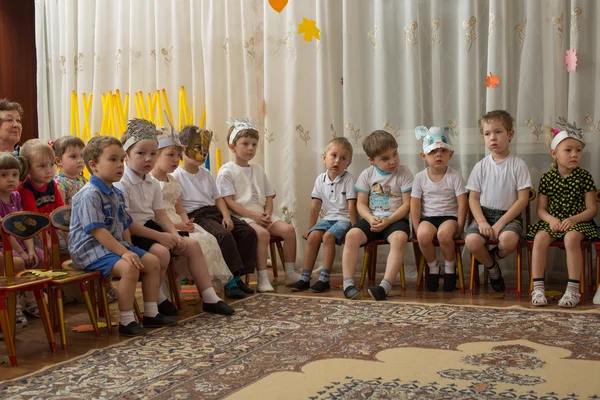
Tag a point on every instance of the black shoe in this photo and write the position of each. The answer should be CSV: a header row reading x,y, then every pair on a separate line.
x,y
132,329
351,292
219,307
167,308
320,286
377,293
449,282
498,284
433,282
300,285
234,293
158,321
244,288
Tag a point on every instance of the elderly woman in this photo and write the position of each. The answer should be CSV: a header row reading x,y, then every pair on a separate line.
x,y
10,124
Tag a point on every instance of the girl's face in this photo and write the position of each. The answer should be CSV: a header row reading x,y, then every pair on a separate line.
x,y
9,180
41,170
71,163
568,154
168,159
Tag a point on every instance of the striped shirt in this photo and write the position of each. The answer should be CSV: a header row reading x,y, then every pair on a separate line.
x,y
96,206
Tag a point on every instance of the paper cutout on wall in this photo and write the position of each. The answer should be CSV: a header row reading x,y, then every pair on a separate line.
x,y
571,60
278,5
492,80
309,28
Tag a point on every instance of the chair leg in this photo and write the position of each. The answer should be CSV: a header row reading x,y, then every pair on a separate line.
x,y
530,266
519,269
61,316
461,278
402,278
273,258
12,312
420,269
582,277
7,331
589,266
90,307
138,312
281,257
597,270
373,265
366,264
472,276
172,277
106,309
41,303
54,320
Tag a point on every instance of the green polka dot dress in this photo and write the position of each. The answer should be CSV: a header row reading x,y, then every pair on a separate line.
x,y
566,198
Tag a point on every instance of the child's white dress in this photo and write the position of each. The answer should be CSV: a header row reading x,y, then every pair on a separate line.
x,y
217,268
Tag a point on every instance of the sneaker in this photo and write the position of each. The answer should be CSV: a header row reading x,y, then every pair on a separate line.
x,y
300,285
265,287
158,321
538,297
20,319
596,300
244,288
449,282
498,284
131,330
320,286
433,282
351,292
234,293
570,299
167,308
219,307
291,278
377,293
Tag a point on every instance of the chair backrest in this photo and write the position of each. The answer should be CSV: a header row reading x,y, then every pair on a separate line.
x,y
60,219
23,225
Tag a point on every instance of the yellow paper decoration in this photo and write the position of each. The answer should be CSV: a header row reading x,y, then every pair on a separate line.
x,y
46,274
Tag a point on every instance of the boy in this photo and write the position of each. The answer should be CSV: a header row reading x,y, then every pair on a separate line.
x,y
202,201
383,203
438,205
152,229
334,190
498,193
99,238
249,195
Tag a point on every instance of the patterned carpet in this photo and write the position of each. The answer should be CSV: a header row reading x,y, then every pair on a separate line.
x,y
291,347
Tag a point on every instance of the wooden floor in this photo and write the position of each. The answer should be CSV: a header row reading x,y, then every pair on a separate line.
x,y
33,352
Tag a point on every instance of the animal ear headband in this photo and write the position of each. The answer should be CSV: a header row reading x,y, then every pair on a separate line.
x,y
567,131
238,126
173,139
434,138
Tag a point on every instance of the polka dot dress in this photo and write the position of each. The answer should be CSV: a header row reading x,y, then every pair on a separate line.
x,y
566,198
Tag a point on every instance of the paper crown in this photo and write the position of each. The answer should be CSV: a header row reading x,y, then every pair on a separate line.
x,y
567,130
238,126
435,138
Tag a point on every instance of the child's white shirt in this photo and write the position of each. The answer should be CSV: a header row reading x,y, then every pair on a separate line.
x,y
334,195
438,199
197,190
499,182
226,182
142,195
384,190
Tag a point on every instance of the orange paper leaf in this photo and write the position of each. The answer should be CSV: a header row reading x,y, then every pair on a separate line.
x,y
492,80
278,5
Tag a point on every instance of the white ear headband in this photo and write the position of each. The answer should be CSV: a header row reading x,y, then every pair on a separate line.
x,y
238,126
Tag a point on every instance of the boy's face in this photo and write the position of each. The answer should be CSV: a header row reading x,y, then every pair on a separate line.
x,y
168,159
496,137
71,163
336,159
141,157
10,126
386,161
109,167
41,170
438,158
244,148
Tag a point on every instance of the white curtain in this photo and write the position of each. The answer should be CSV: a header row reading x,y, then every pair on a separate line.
x,y
379,64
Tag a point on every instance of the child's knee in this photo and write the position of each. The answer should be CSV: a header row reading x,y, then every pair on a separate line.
x,y
162,254
573,240
263,236
152,264
355,237
446,237
127,272
474,241
329,239
192,247
289,232
425,235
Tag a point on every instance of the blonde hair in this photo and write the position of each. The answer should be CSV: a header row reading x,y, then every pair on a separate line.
x,y
35,148
378,142
343,143
497,115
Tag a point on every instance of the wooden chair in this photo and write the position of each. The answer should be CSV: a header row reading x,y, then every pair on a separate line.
x,y
370,263
597,248
22,225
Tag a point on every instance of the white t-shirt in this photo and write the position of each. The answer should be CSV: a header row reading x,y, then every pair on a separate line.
x,y
143,196
197,190
226,187
438,199
384,190
335,195
499,182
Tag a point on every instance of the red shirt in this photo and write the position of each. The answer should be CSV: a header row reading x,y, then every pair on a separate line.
x,y
43,199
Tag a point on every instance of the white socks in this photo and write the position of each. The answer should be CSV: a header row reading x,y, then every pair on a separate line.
x,y
263,276
150,309
126,317
209,296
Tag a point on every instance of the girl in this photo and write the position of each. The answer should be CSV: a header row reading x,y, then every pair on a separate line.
x,y
25,255
68,151
167,161
566,206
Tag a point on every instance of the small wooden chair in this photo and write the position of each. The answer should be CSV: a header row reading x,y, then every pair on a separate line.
x,y
370,263
23,226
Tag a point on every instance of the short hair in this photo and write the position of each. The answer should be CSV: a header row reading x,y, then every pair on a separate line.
x,y
36,148
187,132
378,142
95,147
61,144
342,142
497,115
250,133
10,161
7,105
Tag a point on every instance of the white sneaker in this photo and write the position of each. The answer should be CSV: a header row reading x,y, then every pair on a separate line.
x,y
291,278
538,297
569,300
265,287
596,300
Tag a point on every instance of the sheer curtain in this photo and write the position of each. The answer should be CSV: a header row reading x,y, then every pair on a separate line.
x,y
379,64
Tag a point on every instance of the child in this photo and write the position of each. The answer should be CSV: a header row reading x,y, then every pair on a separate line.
x,y
169,154
334,190
438,205
24,252
498,193
567,207
68,152
383,203
249,195
152,230
99,238
202,202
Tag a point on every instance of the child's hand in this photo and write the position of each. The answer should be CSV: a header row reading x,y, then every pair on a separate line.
x,y
305,236
257,217
380,224
168,240
555,224
228,224
33,259
25,256
265,220
486,230
132,259
181,244
497,228
567,224
186,226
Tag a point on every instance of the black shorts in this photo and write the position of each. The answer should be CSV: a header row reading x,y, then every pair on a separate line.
x,y
437,221
401,225
145,243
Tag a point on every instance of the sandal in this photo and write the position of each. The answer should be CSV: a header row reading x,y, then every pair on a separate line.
x,y
538,297
569,300
30,305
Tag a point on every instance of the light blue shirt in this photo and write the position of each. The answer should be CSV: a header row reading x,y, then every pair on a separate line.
x,y
96,206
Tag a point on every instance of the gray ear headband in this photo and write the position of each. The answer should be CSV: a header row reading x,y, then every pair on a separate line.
x,y
172,140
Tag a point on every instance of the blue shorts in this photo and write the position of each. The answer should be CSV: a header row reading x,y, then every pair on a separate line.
x,y
337,228
106,263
